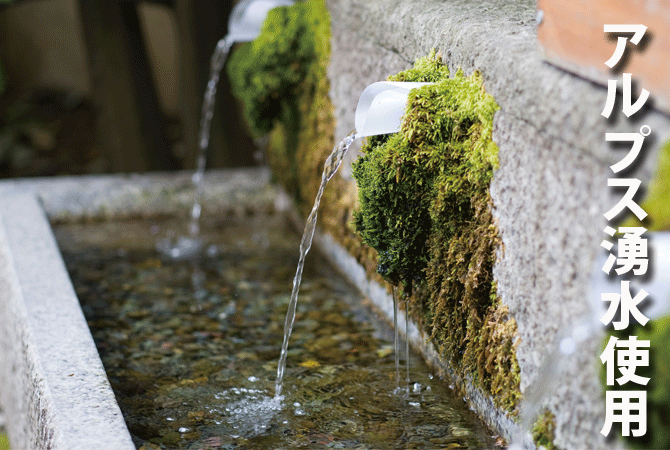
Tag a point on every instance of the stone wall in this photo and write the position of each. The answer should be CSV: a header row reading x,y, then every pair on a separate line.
x,y
550,191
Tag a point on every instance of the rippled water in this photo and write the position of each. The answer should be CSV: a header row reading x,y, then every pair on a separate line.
x,y
197,371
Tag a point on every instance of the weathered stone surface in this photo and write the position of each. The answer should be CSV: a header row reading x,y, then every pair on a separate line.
x,y
54,388
134,194
550,191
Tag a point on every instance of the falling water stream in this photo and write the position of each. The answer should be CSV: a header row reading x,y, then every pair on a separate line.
x,y
396,342
396,348
330,167
186,247
407,345
216,65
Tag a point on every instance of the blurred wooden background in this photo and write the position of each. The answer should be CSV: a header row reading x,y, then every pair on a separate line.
x,y
124,79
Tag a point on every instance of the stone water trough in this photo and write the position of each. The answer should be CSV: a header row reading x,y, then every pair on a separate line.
x,y
549,195
55,393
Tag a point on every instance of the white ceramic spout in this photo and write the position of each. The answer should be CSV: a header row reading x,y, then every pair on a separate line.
x,y
381,107
247,17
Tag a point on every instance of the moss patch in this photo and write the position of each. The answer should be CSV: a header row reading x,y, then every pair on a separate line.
x,y
281,79
425,207
658,389
300,115
544,431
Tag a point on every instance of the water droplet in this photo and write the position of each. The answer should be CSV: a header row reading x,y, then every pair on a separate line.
x,y
184,430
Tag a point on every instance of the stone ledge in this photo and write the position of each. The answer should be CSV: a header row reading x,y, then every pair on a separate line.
x,y
54,388
97,197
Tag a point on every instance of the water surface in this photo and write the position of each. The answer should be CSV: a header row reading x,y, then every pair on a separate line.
x,y
191,349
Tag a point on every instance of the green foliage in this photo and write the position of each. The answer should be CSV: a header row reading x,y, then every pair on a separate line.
x,y
4,442
267,74
425,207
657,201
658,389
427,70
393,217
544,431
281,79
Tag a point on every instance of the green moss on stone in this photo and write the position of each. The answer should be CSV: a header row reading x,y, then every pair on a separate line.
x,y
656,331
425,207
281,80
267,73
544,431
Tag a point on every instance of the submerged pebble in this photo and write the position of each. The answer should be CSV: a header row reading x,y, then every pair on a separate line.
x,y
197,371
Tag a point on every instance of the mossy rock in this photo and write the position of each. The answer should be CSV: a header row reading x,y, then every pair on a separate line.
x,y
425,207
299,116
281,80
544,431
